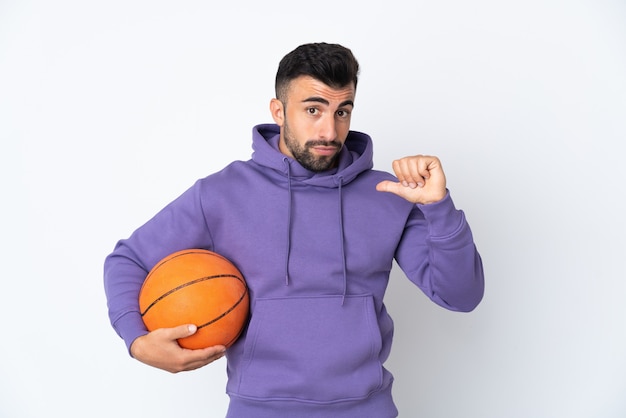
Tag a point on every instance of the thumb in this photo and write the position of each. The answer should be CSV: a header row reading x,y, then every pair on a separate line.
x,y
388,186
183,331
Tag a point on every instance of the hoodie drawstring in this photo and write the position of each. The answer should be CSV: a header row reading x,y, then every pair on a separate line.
x,y
342,239
339,180
286,161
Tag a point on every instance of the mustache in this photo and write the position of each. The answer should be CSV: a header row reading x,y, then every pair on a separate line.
x,y
319,142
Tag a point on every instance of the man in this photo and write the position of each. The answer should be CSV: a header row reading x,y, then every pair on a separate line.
x,y
314,230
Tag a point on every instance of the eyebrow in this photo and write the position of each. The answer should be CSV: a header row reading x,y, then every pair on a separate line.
x,y
318,99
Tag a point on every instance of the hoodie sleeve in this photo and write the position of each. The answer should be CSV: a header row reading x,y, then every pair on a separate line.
x,y
180,225
438,254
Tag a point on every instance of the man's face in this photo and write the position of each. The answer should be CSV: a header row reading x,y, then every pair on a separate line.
x,y
314,122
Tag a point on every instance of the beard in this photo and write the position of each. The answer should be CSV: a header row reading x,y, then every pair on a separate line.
x,y
303,154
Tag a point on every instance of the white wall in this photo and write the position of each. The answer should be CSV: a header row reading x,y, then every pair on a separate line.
x,y
108,110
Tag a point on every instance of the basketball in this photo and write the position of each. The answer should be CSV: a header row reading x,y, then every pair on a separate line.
x,y
197,287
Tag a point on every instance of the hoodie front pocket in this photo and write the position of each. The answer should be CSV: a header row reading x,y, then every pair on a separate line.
x,y
313,349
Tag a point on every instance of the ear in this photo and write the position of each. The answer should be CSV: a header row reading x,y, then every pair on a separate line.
x,y
278,111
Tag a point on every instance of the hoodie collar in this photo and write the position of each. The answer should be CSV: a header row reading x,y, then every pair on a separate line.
x,y
355,157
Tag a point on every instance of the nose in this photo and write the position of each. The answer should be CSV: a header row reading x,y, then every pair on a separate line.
x,y
327,128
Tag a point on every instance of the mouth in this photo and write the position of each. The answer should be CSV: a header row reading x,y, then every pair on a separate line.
x,y
324,148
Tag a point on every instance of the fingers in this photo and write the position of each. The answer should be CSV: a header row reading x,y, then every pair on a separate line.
x,y
414,171
194,359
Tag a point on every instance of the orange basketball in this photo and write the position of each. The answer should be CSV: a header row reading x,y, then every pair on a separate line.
x,y
196,287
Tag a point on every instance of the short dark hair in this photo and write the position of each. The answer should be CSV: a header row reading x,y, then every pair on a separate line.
x,y
332,64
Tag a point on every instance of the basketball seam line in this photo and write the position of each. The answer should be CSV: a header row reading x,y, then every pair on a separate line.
x,y
177,288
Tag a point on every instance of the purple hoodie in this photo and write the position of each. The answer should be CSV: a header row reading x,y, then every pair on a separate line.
x,y
316,250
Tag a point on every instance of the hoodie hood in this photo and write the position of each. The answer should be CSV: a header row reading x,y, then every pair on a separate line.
x,y
355,157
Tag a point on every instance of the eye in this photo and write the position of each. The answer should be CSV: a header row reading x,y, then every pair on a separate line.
x,y
343,113
312,111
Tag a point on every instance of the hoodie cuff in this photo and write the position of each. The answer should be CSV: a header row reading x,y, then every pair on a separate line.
x,y
130,327
443,217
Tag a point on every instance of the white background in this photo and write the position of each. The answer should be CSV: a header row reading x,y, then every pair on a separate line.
x,y
109,110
